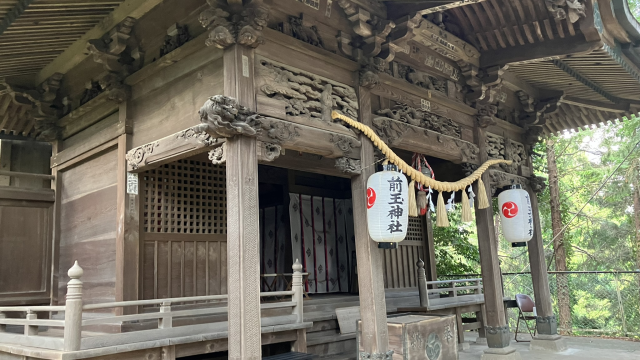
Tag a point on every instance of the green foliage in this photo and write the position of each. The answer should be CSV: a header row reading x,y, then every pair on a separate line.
x,y
456,246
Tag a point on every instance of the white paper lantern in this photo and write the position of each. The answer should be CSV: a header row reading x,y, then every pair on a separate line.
x,y
516,215
388,205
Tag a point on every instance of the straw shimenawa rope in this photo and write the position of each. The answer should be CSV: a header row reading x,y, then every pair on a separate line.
x,y
410,171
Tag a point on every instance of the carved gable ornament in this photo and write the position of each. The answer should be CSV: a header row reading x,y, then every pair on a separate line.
x,y
304,94
446,44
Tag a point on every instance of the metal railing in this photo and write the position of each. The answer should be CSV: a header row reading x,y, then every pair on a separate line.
x,y
585,302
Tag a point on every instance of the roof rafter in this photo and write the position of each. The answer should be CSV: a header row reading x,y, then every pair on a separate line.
x,y
14,14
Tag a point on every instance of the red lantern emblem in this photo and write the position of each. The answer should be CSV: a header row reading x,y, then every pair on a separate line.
x,y
509,209
371,198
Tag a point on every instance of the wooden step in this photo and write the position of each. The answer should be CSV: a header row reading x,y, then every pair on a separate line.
x,y
325,337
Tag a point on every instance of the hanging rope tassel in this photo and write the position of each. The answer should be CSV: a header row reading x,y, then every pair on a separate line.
x,y
466,209
441,212
483,202
413,208
421,201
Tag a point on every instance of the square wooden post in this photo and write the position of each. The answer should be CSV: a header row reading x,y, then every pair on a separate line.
x,y
243,241
546,322
496,327
373,308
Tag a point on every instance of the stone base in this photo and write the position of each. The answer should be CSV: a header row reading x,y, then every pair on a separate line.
x,y
463,346
507,353
550,343
481,341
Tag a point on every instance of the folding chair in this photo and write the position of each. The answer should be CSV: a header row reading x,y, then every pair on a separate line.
x,y
525,305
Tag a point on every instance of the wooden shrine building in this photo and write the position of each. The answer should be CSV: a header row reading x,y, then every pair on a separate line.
x,y
183,152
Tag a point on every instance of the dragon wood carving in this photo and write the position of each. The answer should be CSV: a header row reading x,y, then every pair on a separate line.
x,y
226,117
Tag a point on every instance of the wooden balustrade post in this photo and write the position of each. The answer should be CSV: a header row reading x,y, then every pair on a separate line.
x,y
165,322
31,330
422,284
3,327
300,345
73,310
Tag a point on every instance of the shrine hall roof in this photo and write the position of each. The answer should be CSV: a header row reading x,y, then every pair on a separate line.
x,y
590,56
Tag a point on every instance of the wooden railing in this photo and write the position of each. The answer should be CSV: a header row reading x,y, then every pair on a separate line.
x,y
74,309
459,292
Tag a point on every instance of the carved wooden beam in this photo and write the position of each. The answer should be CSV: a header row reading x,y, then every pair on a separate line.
x,y
401,135
500,179
224,117
446,44
561,9
183,144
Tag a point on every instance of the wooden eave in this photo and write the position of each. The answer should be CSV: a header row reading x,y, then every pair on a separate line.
x,y
44,29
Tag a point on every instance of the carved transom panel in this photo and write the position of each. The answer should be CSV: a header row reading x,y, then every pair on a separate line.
x,y
495,146
302,93
185,196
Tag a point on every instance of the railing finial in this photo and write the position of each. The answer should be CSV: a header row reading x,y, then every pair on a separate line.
x,y
297,267
75,272
420,263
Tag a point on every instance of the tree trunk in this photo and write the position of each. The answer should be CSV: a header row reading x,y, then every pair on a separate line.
x,y
636,213
562,283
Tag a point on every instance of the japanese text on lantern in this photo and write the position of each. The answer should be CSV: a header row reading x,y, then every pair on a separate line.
x,y
396,202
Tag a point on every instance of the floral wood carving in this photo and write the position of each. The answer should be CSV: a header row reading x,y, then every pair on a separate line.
x,y
574,9
119,55
348,165
295,28
137,157
306,94
421,118
197,133
226,117
344,143
391,132
267,152
280,131
218,155
244,28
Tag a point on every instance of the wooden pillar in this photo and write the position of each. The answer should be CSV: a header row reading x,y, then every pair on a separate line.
x,y
547,323
497,330
373,309
128,259
56,184
243,242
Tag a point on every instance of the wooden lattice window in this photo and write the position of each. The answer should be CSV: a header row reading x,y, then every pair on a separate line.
x,y
414,230
185,196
